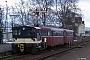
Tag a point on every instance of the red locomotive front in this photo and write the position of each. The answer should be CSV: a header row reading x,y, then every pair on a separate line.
x,y
52,36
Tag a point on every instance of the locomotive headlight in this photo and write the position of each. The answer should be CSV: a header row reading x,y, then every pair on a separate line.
x,y
45,39
34,39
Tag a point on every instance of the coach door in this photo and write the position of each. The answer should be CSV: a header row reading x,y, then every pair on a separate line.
x,y
64,36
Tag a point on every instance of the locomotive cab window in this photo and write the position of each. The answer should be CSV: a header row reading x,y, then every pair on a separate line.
x,y
16,32
31,31
38,31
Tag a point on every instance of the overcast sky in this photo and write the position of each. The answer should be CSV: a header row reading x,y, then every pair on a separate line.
x,y
83,4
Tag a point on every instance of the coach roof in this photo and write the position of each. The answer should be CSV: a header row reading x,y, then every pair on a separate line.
x,y
69,30
57,29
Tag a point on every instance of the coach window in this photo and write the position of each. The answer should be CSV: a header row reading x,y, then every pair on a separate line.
x,y
68,34
60,33
49,33
71,34
57,33
54,33
43,32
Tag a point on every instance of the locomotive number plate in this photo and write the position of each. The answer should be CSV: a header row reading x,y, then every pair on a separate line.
x,y
21,46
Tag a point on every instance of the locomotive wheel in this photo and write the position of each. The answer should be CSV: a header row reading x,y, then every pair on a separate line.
x,y
14,48
33,49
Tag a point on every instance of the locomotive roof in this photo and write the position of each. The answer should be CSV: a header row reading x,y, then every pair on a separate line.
x,y
46,28
27,27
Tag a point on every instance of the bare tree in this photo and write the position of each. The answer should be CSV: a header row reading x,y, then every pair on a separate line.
x,y
65,11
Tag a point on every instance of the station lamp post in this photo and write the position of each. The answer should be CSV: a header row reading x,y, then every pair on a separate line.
x,y
6,21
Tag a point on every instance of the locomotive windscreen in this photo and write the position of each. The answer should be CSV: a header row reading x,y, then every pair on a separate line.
x,y
25,32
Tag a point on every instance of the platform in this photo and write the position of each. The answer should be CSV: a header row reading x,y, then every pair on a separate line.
x,y
5,47
80,54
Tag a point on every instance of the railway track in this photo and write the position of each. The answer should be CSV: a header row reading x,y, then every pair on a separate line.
x,y
44,54
32,57
40,56
50,53
13,57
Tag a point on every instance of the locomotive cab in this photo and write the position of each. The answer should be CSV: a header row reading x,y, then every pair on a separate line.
x,y
26,39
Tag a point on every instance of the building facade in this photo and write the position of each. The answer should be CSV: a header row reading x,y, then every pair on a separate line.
x,y
80,26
